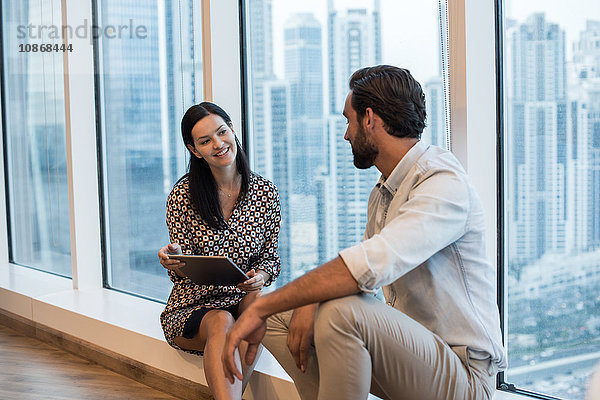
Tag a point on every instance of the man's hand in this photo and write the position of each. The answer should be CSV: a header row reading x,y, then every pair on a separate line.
x,y
301,334
250,327
329,281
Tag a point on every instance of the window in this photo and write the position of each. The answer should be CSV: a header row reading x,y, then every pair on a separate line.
x,y
299,59
552,194
149,76
34,132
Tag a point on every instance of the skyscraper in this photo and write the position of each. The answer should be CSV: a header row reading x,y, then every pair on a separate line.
x,y
269,117
354,42
435,131
35,140
584,107
436,97
304,73
260,57
275,147
537,138
147,84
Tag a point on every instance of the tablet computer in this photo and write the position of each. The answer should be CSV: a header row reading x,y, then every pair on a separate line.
x,y
210,270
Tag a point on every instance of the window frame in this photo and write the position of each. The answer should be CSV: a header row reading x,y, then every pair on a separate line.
x,y
226,76
473,140
502,383
84,190
5,232
98,96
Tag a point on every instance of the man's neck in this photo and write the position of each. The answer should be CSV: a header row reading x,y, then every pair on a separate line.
x,y
391,151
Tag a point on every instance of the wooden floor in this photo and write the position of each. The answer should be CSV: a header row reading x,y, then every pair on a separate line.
x,y
31,369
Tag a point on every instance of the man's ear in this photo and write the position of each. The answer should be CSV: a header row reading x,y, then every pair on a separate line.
x,y
369,118
193,150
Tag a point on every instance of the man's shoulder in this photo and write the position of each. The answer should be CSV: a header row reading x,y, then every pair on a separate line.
x,y
437,159
442,167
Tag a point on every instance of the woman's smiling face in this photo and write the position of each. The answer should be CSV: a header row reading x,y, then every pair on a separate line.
x,y
214,141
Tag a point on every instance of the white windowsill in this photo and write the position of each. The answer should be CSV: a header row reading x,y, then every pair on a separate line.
x,y
120,323
126,325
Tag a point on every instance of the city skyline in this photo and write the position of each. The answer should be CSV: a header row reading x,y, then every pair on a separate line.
x,y
317,184
35,135
552,203
299,64
547,194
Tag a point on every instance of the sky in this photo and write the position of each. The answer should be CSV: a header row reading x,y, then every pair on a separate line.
x,y
570,15
404,43
410,32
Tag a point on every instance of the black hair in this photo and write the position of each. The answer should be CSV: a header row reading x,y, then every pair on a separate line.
x,y
204,195
394,95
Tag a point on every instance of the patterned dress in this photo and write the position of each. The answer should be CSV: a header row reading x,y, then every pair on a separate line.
x,y
249,240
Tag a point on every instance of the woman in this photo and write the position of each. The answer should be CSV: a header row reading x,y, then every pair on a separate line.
x,y
218,208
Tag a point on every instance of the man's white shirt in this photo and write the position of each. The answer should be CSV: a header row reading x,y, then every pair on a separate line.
x,y
424,244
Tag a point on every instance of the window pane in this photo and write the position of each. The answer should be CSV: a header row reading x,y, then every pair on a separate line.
x,y
34,117
552,186
300,58
148,79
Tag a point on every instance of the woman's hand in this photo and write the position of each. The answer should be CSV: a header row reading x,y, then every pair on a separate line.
x,y
256,282
170,263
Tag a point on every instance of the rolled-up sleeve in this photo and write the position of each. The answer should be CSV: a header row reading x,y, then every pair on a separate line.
x,y
434,216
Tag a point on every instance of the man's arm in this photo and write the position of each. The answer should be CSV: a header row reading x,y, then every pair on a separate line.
x,y
329,281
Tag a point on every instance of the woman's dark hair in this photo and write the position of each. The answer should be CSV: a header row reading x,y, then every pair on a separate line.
x,y
394,95
204,195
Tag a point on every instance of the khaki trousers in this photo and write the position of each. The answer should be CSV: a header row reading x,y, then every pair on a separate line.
x,y
364,346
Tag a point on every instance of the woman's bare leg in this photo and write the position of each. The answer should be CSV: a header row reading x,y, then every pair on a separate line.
x,y
247,300
247,369
211,339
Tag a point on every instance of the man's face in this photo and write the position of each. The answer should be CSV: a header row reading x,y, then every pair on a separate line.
x,y
363,149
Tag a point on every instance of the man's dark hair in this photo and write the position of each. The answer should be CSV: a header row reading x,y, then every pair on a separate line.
x,y
394,95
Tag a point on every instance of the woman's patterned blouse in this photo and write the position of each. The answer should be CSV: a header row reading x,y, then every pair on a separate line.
x,y
249,240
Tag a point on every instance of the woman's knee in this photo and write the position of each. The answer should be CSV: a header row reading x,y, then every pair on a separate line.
x,y
218,320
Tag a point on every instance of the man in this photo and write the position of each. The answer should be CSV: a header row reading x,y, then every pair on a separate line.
x,y
438,336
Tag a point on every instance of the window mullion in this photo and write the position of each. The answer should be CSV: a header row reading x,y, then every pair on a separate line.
x,y
82,174
224,73
4,245
472,105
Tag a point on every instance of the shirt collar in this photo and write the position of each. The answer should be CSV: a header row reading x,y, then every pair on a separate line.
x,y
401,170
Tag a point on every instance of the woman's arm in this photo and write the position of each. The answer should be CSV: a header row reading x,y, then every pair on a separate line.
x,y
268,263
179,234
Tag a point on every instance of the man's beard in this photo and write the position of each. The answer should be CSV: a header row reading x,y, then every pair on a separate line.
x,y
363,150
